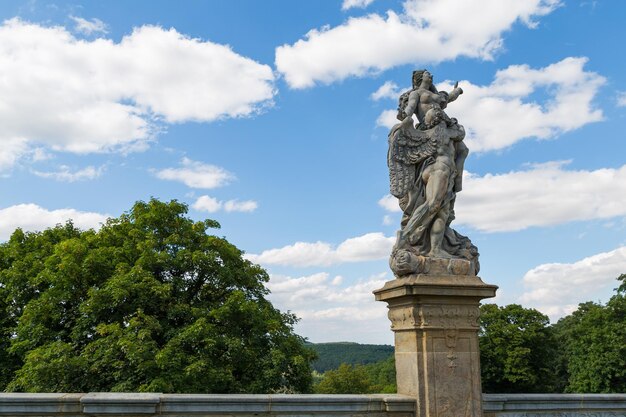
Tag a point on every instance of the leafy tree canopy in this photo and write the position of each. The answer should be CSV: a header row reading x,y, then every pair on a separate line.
x,y
150,302
517,350
346,379
378,377
594,342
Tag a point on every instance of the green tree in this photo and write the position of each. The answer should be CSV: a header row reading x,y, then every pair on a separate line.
x,y
383,375
517,350
378,377
346,379
594,342
150,302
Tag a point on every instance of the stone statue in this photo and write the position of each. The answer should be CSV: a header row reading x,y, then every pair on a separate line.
x,y
426,171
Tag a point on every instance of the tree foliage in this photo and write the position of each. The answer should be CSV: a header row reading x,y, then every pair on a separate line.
x,y
378,377
347,379
382,374
593,339
517,350
150,302
331,355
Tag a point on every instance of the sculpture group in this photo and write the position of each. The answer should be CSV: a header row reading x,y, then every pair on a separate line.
x,y
426,172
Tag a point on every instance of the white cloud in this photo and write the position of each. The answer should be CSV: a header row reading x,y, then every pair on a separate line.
x,y
498,115
206,203
31,217
89,26
197,175
542,195
328,312
66,174
621,99
427,31
73,95
388,90
387,119
387,220
390,203
242,206
557,288
370,246
361,4
212,205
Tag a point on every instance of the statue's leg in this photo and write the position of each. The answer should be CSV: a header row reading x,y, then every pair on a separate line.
x,y
437,186
461,152
437,231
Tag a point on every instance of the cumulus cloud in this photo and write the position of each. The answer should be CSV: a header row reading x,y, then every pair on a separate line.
x,y
427,31
540,195
328,312
197,175
387,119
89,26
31,217
370,246
557,288
500,114
64,173
212,205
621,99
361,4
80,96
390,203
388,90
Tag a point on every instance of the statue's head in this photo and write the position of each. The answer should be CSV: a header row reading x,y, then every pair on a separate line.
x,y
420,75
433,116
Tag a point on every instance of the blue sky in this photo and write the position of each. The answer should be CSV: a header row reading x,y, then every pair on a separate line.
x,y
272,118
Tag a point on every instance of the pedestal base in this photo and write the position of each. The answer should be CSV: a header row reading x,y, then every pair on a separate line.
x,y
435,323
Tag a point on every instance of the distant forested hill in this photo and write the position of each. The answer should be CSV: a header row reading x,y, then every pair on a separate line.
x,y
331,355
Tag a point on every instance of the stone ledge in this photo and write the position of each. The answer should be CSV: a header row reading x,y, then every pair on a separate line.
x,y
181,405
154,404
554,405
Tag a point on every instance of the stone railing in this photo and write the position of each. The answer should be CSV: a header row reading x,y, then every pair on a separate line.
x,y
554,405
180,405
131,404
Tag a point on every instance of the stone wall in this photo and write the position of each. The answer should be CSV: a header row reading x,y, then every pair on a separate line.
x,y
132,404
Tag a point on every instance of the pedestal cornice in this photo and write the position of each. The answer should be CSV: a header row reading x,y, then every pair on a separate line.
x,y
422,287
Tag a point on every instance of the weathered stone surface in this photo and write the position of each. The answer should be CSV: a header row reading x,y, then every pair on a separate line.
x,y
218,405
426,165
554,405
404,262
435,324
44,404
494,405
113,403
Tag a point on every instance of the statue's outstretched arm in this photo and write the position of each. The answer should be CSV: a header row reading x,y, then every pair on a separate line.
x,y
455,93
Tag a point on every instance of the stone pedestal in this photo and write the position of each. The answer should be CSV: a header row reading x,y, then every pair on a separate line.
x,y
435,322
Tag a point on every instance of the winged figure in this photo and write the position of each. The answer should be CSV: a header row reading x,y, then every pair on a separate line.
x,y
425,171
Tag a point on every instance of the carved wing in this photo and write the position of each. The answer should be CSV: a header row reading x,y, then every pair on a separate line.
x,y
408,148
